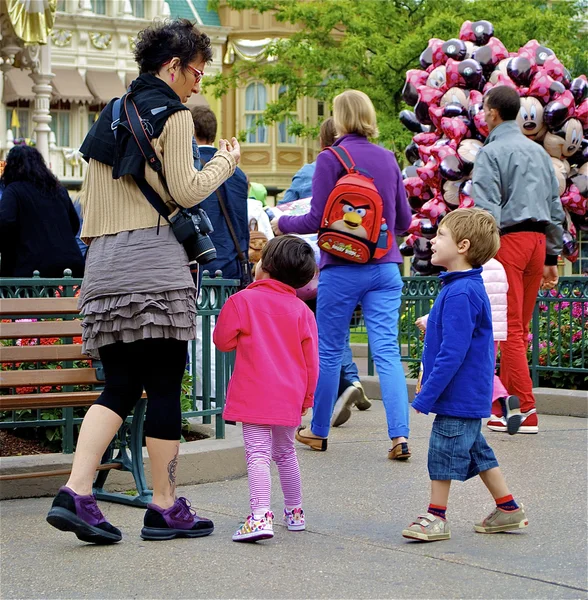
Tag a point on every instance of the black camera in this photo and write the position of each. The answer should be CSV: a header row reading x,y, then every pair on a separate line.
x,y
191,230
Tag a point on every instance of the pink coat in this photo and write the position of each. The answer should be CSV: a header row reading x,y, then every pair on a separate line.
x,y
496,285
276,369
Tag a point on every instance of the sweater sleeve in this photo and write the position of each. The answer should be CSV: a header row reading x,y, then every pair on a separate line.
x,y
324,180
458,318
403,212
8,218
486,187
227,328
310,350
186,184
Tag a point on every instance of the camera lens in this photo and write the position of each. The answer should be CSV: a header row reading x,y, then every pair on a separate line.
x,y
202,250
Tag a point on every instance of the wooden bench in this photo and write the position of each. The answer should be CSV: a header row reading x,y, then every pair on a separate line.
x,y
59,318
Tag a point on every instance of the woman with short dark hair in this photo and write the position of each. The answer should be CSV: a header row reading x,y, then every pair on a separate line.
x,y
138,297
38,222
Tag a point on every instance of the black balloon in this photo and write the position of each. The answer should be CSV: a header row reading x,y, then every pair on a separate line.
x,y
567,78
542,53
410,121
554,114
409,172
426,58
423,266
422,247
557,87
570,245
421,110
428,230
471,71
416,203
410,94
485,57
451,168
579,89
454,110
520,70
483,30
466,188
455,49
412,153
406,250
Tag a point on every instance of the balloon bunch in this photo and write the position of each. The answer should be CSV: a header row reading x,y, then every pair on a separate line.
x,y
450,128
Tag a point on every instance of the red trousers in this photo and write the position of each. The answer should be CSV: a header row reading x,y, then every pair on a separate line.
x,y
522,255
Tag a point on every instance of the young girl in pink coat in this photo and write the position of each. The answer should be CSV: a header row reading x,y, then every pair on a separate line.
x,y
270,328
496,285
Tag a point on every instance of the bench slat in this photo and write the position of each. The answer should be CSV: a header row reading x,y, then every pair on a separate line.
x,y
53,400
48,377
9,354
38,306
11,331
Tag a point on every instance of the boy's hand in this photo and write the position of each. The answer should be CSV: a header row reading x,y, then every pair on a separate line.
x,y
421,323
304,411
275,227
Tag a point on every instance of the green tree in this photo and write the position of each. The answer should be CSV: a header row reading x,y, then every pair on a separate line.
x,y
370,44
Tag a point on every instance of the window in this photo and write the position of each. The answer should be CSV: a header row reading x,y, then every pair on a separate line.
x,y
92,118
580,267
283,136
138,8
255,103
61,5
18,120
60,127
99,7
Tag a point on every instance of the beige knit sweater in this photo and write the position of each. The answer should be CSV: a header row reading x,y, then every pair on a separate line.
x,y
110,205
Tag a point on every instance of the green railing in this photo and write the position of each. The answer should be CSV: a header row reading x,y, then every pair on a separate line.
x,y
558,349
206,397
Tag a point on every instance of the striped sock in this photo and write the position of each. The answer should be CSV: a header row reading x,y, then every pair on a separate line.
x,y
438,511
507,503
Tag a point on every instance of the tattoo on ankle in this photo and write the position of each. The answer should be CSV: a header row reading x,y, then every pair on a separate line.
x,y
171,470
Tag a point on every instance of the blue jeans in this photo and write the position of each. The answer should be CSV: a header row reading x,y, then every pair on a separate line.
x,y
341,288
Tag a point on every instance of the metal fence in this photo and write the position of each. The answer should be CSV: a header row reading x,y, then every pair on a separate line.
x,y
558,339
203,395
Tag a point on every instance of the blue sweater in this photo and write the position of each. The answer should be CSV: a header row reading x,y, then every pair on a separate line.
x,y
458,357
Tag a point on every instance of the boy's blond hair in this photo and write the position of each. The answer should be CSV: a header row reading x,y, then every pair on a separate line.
x,y
479,227
353,112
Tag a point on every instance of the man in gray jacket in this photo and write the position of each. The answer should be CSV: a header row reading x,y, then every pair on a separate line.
x,y
515,181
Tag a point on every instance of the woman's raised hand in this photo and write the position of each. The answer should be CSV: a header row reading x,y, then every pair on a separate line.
x,y
231,147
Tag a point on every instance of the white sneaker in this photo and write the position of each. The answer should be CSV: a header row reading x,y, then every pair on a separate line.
x,y
294,519
342,411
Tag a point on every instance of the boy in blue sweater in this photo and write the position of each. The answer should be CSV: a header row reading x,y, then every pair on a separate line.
x,y
458,370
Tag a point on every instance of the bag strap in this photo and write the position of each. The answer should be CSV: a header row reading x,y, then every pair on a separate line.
x,y
344,157
146,148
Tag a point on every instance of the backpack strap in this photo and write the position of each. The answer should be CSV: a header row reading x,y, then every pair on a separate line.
x,y
344,157
139,133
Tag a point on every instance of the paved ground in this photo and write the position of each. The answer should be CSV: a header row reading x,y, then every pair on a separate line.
x,y
357,502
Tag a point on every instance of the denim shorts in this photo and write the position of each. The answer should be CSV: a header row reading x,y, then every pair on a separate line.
x,y
458,450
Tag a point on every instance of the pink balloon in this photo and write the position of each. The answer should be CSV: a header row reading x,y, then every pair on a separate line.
x,y
572,200
429,173
553,67
540,87
466,32
434,209
455,128
439,57
425,139
466,201
436,114
582,113
415,186
480,123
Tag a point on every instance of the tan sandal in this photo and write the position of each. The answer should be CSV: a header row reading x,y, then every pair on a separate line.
x,y
400,452
319,444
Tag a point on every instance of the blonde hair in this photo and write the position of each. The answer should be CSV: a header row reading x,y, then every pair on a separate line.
x,y
479,227
353,112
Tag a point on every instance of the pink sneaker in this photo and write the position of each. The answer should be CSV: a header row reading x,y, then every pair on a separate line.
x,y
294,519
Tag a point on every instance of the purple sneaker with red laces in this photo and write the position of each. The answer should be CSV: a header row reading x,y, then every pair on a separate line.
x,y
81,515
180,520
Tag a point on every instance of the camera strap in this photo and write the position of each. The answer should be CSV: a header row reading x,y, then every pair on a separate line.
x,y
247,277
140,135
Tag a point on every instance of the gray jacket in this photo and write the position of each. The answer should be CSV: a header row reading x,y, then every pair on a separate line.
x,y
514,180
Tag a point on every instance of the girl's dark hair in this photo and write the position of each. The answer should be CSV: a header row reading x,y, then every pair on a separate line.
x,y
25,163
289,259
164,40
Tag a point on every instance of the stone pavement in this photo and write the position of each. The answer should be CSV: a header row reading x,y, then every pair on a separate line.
x,y
357,502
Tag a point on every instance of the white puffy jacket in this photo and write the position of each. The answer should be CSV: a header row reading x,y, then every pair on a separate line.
x,y
496,285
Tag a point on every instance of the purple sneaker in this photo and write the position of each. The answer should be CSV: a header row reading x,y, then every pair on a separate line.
x,y
80,514
180,520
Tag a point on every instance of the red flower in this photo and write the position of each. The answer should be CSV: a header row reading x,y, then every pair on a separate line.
x,y
49,341
28,389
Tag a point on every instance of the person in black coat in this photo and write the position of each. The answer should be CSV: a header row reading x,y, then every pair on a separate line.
x,y
38,222
234,193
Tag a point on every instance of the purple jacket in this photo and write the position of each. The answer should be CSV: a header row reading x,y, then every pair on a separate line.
x,y
382,166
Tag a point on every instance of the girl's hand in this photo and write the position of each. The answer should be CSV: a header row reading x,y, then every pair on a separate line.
x,y
304,411
231,147
275,227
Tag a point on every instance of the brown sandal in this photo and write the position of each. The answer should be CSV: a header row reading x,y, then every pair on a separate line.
x,y
319,444
399,452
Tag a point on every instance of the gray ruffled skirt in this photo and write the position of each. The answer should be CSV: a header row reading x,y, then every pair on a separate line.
x,y
137,285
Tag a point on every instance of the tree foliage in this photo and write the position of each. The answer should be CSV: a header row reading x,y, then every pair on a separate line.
x,y
370,44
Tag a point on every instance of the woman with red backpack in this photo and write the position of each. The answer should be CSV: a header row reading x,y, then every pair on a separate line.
x,y
358,205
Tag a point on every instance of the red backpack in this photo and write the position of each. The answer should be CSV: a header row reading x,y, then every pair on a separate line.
x,y
353,225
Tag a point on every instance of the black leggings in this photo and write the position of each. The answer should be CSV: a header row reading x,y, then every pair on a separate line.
x,y
156,365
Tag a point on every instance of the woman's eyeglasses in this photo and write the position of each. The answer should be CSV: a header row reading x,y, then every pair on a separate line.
x,y
198,75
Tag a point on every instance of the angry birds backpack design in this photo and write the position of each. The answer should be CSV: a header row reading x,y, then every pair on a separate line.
x,y
353,226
